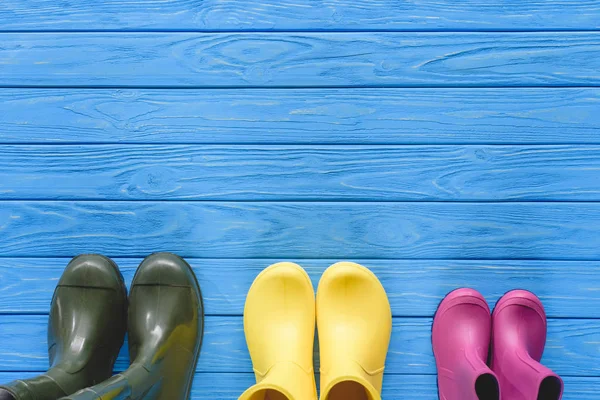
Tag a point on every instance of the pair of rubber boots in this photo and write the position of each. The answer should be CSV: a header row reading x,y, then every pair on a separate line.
x,y
464,328
354,322
89,317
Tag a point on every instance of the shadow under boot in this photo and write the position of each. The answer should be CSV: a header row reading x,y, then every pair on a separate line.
x,y
86,329
166,322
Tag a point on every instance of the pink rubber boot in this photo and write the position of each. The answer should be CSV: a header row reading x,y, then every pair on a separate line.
x,y
518,340
461,338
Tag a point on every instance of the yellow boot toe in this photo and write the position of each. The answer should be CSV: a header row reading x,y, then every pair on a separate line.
x,y
354,322
279,323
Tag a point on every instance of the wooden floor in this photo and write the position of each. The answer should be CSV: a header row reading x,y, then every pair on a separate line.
x,y
440,143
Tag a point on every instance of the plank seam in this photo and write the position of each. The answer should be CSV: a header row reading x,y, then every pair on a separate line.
x,y
278,31
294,200
301,144
307,87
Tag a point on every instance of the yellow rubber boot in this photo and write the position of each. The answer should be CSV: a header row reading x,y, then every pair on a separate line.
x,y
279,322
354,320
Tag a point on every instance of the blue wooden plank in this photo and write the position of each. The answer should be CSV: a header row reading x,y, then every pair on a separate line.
x,y
303,230
414,287
229,386
300,59
303,116
298,15
359,173
571,349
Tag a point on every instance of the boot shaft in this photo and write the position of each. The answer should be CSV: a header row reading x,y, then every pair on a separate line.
x,y
347,380
523,378
285,381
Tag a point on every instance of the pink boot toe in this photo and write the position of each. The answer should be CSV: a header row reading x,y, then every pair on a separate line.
x,y
461,337
518,340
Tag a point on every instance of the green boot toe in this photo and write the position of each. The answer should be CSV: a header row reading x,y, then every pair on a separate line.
x,y
86,330
166,322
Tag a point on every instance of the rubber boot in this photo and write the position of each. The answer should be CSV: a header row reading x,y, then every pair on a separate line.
x,y
461,338
279,322
165,334
519,337
86,329
354,321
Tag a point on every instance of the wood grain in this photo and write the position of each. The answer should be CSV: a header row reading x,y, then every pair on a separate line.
x,y
571,349
300,59
414,287
442,144
359,173
301,116
297,15
303,230
229,386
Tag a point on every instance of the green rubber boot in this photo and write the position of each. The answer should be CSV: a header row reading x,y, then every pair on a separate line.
x,y
166,321
86,329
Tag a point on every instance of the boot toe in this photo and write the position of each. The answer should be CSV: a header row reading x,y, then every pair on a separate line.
x,y
281,275
165,269
520,298
462,297
92,270
281,296
352,287
463,320
279,325
354,321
